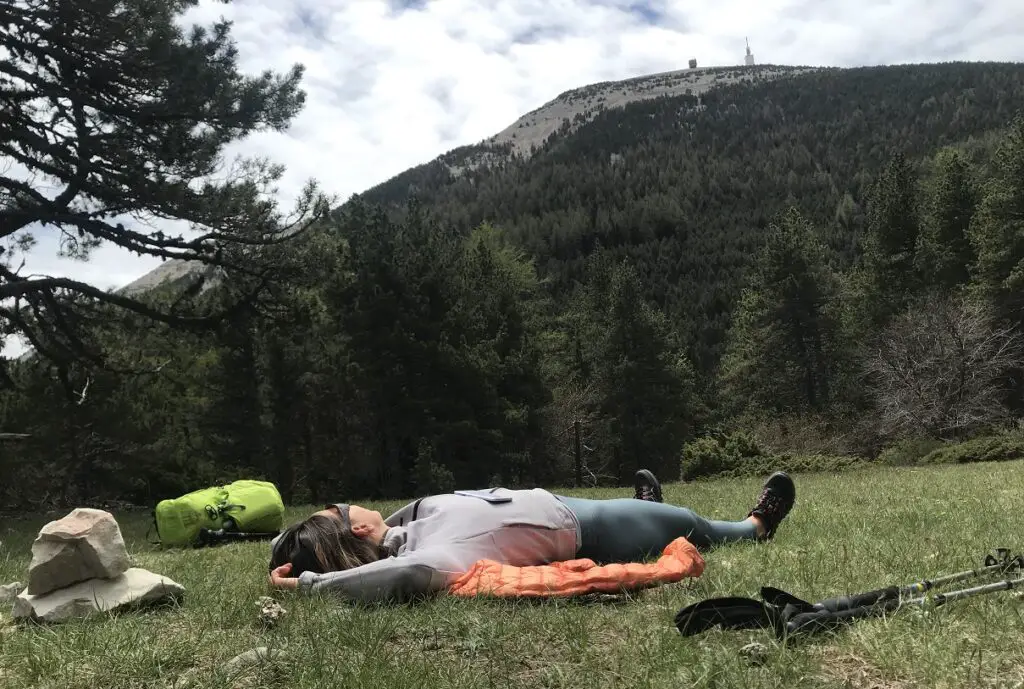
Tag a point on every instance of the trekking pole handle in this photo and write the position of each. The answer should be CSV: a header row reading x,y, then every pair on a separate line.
x,y
825,619
858,600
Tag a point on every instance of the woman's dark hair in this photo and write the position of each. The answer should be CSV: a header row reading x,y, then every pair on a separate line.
x,y
323,544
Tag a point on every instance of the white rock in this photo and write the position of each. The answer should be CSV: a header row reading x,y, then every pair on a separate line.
x,y
83,545
135,587
257,656
9,591
237,668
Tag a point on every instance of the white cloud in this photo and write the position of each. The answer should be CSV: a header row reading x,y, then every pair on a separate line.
x,y
389,88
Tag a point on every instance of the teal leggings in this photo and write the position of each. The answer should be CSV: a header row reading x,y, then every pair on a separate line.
x,y
631,530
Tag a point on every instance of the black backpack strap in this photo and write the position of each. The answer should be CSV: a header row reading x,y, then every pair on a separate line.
x,y
415,511
728,613
780,599
153,527
837,604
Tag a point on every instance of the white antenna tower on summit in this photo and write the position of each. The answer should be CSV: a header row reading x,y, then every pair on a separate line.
x,y
749,59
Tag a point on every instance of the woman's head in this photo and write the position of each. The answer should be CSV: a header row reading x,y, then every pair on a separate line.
x,y
336,538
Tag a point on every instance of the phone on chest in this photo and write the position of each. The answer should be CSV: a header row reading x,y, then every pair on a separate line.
x,y
486,495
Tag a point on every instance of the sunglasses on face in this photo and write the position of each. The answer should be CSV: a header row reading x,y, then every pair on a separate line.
x,y
343,511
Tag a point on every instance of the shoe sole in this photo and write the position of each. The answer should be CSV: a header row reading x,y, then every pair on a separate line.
x,y
788,480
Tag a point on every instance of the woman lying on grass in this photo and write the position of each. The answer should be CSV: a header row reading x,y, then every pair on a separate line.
x,y
425,546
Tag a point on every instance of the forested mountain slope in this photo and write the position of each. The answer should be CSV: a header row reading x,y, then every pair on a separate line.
x,y
653,278
686,185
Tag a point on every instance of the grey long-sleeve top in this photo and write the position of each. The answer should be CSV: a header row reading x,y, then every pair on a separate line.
x,y
437,539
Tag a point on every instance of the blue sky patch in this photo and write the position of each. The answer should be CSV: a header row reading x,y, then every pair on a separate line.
x,y
399,6
652,13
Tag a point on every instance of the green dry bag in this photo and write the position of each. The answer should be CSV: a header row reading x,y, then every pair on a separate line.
x,y
255,506
245,506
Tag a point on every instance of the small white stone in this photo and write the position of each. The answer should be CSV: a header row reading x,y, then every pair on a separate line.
x,y
271,611
755,652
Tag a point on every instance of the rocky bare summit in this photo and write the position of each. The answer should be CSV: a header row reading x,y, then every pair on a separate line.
x,y
577,107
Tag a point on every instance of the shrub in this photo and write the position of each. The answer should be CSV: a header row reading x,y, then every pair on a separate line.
x,y
744,445
706,457
798,464
814,463
995,448
730,454
738,455
813,434
909,451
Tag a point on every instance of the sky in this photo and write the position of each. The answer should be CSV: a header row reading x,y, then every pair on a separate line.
x,y
394,83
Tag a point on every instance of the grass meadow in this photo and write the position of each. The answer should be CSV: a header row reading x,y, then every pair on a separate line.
x,y
849,532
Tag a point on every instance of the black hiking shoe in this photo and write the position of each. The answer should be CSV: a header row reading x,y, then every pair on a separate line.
x,y
776,500
646,487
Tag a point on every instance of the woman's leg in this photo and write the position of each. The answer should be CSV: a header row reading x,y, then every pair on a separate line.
x,y
629,530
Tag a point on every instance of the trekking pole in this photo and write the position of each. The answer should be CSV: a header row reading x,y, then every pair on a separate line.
x,y
996,563
787,614
944,598
824,619
999,563
210,537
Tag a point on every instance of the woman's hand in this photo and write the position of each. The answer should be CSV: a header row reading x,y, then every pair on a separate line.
x,y
279,577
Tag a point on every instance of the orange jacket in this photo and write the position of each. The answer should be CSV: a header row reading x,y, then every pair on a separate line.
x,y
679,560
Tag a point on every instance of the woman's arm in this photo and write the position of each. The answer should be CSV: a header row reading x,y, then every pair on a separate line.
x,y
395,579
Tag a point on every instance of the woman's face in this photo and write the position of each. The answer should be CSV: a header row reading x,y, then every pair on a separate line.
x,y
364,523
